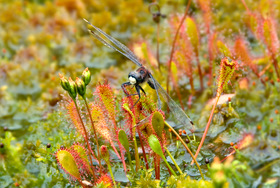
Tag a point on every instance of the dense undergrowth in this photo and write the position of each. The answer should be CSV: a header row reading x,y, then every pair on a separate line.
x,y
39,123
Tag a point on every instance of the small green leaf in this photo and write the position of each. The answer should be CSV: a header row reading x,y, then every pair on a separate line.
x,y
68,163
155,145
158,123
124,140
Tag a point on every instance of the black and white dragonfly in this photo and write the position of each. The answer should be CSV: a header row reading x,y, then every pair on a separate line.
x,y
140,76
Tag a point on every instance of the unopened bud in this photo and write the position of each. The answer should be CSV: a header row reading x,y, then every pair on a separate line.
x,y
86,76
81,87
104,153
64,82
72,89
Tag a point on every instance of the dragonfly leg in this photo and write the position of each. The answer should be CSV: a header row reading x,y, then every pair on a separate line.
x,y
123,87
151,84
142,90
137,87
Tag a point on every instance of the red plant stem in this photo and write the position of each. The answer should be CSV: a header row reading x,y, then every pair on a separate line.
x,y
158,165
155,167
207,127
168,170
85,137
191,83
143,149
158,60
199,71
95,135
173,45
245,5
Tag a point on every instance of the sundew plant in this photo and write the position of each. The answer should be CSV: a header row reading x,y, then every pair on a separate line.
x,y
204,111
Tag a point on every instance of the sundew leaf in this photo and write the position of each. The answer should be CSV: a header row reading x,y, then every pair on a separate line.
x,y
252,22
81,151
106,95
192,33
124,140
155,145
158,123
101,125
67,162
270,35
74,116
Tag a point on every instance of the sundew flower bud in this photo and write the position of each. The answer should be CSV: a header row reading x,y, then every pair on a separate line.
x,y
64,82
86,76
72,89
104,153
81,87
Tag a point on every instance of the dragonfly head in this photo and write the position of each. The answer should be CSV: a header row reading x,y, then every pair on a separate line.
x,y
139,76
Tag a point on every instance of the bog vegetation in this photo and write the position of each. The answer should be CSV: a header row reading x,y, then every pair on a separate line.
x,y
65,125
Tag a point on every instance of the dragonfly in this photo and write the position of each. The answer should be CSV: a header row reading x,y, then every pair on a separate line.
x,y
140,76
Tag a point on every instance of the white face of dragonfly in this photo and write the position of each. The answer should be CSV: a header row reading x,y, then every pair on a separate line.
x,y
132,80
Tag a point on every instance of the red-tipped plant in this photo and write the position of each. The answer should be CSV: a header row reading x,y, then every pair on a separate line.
x,y
107,106
227,69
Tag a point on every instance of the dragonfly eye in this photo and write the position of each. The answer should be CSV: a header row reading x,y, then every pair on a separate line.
x,y
142,72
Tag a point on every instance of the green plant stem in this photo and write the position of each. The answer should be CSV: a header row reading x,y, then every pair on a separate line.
x,y
275,64
130,162
187,148
207,127
171,157
85,136
111,173
136,153
95,135
172,171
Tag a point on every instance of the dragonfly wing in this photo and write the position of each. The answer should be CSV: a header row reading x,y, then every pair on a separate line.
x,y
113,43
176,111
